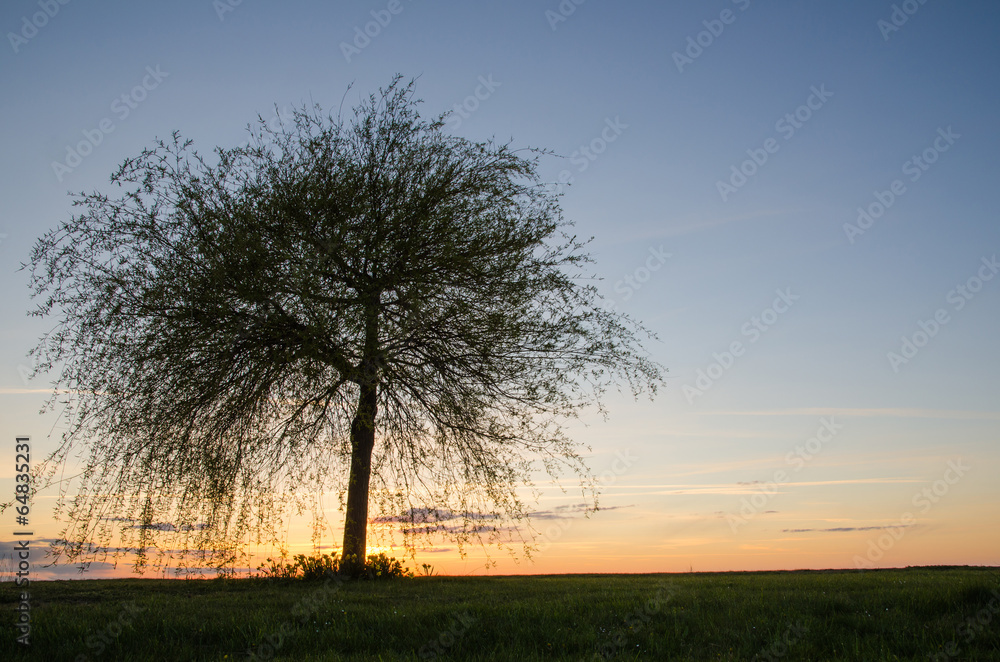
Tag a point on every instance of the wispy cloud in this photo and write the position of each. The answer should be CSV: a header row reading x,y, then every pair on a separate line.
x,y
9,546
845,529
157,526
169,527
448,528
570,511
431,515
857,412
753,487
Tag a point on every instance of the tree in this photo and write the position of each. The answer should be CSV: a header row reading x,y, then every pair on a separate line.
x,y
232,332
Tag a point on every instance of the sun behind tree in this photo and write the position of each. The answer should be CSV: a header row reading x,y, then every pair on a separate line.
x,y
336,303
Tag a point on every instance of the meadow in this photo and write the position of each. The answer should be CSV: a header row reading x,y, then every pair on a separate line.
x,y
901,614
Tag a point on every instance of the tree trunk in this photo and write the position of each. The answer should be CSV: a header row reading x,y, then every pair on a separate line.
x,y
362,443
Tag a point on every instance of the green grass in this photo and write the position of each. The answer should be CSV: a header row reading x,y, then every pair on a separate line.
x,y
911,614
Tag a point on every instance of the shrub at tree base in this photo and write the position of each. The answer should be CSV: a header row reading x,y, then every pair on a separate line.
x,y
378,566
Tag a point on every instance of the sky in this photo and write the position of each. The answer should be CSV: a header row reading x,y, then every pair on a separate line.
x,y
798,198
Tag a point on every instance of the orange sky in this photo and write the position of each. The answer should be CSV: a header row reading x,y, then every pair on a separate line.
x,y
852,502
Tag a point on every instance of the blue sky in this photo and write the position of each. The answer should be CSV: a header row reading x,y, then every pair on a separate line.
x,y
608,79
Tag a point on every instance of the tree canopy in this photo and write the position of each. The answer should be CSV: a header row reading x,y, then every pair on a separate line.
x,y
363,304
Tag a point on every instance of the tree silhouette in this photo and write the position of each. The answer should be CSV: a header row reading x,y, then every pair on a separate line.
x,y
369,296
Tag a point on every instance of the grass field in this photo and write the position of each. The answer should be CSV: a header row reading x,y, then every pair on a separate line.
x,y
911,614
